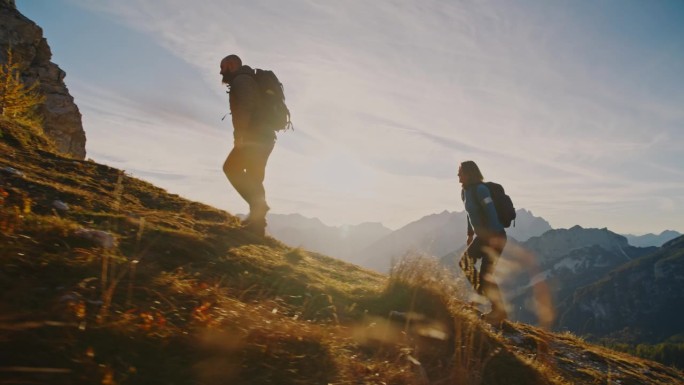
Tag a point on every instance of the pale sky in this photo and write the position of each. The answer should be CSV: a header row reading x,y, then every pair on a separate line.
x,y
575,106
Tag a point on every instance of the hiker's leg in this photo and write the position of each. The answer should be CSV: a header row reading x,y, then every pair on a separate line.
x,y
234,168
489,287
467,263
255,171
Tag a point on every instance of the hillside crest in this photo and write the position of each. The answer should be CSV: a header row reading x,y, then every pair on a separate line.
x,y
187,296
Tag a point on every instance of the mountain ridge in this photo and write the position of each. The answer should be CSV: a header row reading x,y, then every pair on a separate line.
x,y
604,308
435,234
651,239
581,279
311,233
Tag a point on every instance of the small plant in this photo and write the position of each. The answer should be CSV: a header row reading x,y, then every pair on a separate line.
x,y
295,255
12,216
8,216
19,101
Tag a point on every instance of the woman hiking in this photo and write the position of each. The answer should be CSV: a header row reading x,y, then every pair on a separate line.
x,y
486,239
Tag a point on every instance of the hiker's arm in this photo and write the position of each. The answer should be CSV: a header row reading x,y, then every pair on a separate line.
x,y
471,231
484,198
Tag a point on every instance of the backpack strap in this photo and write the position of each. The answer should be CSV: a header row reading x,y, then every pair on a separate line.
x,y
483,210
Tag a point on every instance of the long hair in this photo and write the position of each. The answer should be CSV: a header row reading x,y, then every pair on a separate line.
x,y
473,173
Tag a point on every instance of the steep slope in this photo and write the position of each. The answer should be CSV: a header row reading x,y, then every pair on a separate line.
x,y
108,279
106,276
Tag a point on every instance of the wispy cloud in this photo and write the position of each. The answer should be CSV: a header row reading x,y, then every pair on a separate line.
x,y
388,97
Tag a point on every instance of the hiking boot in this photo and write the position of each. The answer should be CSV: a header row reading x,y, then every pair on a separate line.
x,y
258,212
256,227
495,317
474,307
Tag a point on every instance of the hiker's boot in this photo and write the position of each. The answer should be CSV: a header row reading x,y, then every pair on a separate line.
x,y
257,226
474,307
248,219
257,212
245,222
495,317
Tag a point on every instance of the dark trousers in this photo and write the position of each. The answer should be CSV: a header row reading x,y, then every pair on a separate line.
x,y
245,168
483,281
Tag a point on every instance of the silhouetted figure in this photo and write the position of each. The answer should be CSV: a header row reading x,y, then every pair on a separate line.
x,y
245,166
486,239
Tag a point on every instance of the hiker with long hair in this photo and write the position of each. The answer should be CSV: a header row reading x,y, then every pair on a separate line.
x,y
245,166
485,240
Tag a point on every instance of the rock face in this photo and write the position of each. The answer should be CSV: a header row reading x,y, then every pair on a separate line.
x,y
62,119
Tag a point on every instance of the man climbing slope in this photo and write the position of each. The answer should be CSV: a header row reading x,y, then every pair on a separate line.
x,y
253,142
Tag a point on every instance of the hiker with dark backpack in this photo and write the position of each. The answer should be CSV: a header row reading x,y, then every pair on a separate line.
x,y
489,210
258,110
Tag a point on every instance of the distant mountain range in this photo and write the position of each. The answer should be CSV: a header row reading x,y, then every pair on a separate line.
x,y
638,301
652,239
559,262
596,282
374,246
343,242
437,235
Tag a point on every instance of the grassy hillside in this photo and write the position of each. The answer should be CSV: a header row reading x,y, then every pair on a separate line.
x,y
107,279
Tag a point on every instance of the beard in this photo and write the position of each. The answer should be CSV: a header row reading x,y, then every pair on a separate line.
x,y
227,77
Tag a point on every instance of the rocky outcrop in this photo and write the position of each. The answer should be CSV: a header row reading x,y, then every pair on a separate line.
x,y
62,119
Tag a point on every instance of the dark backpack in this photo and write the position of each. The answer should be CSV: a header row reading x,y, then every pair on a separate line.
x,y
273,113
502,202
